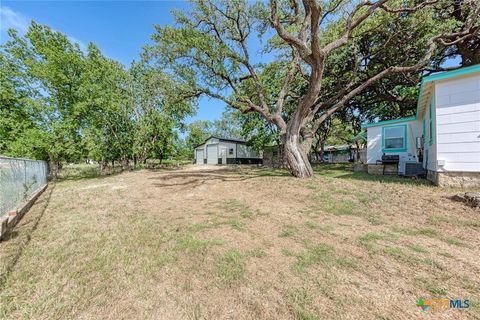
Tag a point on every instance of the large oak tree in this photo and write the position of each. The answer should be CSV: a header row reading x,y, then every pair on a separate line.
x,y
210,50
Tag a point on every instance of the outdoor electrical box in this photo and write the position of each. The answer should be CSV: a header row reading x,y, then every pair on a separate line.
x,y
419,141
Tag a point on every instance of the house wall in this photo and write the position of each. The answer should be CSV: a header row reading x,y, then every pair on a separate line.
x,y
342,156
374,141
458,124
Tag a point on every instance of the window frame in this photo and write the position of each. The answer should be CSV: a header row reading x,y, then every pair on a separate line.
x,y
230,151
405,142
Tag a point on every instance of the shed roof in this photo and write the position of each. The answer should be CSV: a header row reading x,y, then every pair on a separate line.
x,y
235,140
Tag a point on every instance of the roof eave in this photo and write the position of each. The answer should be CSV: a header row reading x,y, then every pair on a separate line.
x,y
381,123
452,74
426,90
220,139
427,85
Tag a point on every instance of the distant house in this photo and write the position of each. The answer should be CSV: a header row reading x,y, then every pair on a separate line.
x,y
216,150
339,154
443,138
273,155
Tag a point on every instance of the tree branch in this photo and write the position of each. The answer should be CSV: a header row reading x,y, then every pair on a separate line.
x,y
407,9
286,83
296,42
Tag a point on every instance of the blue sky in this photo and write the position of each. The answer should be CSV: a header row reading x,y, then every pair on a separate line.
x,y
119,28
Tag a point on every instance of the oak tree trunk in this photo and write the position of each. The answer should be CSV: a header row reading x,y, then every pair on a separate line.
x,y
104,167
55,167
297,157
125,164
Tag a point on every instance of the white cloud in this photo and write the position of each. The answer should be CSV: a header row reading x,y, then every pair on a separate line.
x,y
11,19
16,20
82,45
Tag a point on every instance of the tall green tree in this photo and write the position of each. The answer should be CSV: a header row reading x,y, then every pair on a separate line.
x,y
107,104
158,113
16,111
51,68
63,104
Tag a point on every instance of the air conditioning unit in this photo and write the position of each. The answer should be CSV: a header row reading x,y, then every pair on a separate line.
x,y
411,169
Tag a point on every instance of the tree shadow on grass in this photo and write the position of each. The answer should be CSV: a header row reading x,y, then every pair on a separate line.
x,y
194,179
79,173
90,173
13,234
271,172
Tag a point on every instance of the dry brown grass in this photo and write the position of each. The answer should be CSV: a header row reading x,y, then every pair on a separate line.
x,y
217,243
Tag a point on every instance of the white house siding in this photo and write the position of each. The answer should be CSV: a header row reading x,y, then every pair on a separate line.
x,y
374,141
458,123
374,144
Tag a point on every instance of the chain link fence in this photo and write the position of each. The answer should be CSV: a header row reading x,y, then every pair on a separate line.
x,y
19,179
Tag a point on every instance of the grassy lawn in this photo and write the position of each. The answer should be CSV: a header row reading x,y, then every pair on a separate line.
x,y
240,243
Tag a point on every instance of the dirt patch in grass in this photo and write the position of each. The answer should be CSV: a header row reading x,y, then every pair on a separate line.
x,y
240,243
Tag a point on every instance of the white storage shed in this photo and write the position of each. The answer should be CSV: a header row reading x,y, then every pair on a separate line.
x,y
216,150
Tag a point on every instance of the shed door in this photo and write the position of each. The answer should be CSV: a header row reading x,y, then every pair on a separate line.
x,y
199,156
212,154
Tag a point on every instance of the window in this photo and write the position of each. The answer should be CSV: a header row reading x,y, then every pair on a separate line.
x,y
230,151
394,138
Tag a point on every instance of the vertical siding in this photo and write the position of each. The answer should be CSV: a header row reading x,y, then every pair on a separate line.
x,y
200,147
246,152
239,150
229,145
458,123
